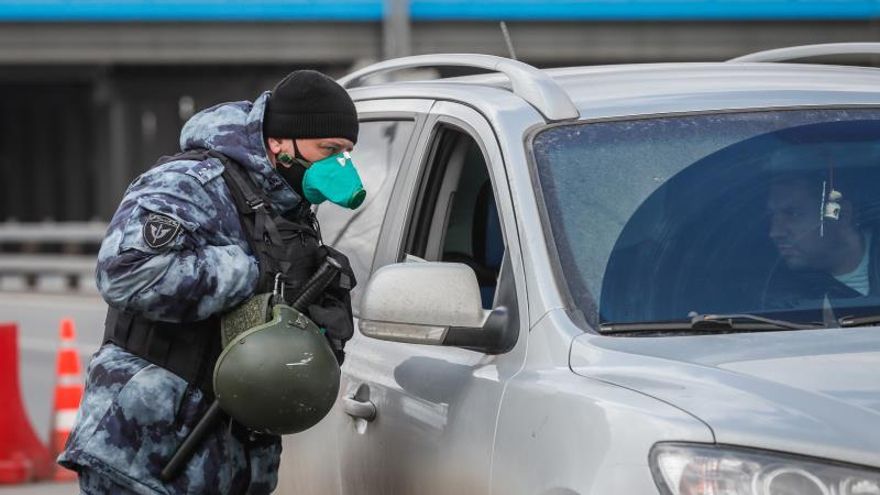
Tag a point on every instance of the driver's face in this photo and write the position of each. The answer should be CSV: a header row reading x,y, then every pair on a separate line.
x,y
795,222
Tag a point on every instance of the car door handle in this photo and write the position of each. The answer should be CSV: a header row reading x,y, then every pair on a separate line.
x,y
362,409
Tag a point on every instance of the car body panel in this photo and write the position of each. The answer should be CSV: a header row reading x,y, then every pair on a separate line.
x,y
436,406
812,392
561,433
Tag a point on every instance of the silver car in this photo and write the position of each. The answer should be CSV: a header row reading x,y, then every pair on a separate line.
x,y
629,279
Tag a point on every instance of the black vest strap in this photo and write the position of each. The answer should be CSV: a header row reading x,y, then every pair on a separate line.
x,y
262,226
189,350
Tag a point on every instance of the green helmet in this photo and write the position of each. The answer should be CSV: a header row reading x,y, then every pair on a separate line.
x,y
279,377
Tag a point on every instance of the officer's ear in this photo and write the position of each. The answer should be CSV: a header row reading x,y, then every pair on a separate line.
x,y
275,145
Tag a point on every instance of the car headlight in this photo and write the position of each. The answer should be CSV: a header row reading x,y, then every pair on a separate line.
x,y
683,469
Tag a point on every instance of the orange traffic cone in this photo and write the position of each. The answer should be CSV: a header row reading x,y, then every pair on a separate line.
x,y
68,394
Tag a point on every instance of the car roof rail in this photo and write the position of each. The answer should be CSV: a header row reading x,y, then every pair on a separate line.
x,y
796,52
527,82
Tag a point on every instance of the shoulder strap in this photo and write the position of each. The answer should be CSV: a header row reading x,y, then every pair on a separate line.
x,y
258,220
197,155
253,208
256,216
248,200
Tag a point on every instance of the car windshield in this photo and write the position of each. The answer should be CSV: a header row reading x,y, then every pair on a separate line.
x,y
771,213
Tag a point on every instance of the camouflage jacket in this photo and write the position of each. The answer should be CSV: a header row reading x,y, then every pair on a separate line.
x,y
175,251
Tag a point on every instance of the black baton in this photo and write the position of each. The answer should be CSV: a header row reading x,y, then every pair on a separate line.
x,y
195,437
317,284
310,292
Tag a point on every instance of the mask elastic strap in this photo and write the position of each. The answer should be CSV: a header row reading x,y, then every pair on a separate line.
x,y
296,152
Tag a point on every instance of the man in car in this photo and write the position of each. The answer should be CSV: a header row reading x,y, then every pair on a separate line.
x,y
824,243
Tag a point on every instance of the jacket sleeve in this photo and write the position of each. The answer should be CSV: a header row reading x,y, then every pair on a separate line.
x,y
176,277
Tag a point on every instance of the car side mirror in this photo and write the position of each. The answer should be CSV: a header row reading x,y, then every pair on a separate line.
x,y
430,303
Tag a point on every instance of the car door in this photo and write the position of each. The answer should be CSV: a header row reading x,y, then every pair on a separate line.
x,y
388,131
436,407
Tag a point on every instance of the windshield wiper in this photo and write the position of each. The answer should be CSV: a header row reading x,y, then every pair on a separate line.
x,y
858,321
708,323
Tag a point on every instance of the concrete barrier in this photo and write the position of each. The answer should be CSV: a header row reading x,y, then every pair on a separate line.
x,y
23,458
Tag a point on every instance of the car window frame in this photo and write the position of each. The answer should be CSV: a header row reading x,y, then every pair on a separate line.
x,y
407,188
454,114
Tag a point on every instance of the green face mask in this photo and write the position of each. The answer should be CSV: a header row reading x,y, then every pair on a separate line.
x,y
334,178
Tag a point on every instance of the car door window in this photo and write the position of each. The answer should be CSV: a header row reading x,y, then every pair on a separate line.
x,y
457,217
378,154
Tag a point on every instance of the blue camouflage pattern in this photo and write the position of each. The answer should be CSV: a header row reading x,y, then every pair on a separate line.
x,y
134,414
91,483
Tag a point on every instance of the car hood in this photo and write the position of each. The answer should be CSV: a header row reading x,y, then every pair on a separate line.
x,y
813,392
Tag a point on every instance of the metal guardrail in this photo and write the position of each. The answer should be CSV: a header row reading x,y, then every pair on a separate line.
x,y
29,264
25,264
55,232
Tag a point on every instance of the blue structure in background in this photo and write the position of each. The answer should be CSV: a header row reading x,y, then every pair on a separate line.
x,y
430,10
653,10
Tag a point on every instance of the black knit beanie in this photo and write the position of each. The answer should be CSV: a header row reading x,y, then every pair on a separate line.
x,y
308,104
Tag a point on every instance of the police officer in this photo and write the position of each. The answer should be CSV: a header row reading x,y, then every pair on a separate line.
x,y
176,256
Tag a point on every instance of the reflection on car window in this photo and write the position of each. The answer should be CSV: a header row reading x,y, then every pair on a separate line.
x,y
769,213
378,156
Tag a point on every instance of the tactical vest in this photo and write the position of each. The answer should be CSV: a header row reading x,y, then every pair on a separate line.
x,y
289,245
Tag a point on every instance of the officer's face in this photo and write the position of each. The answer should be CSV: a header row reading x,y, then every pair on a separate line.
x,y
795,223
315,150
312,150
